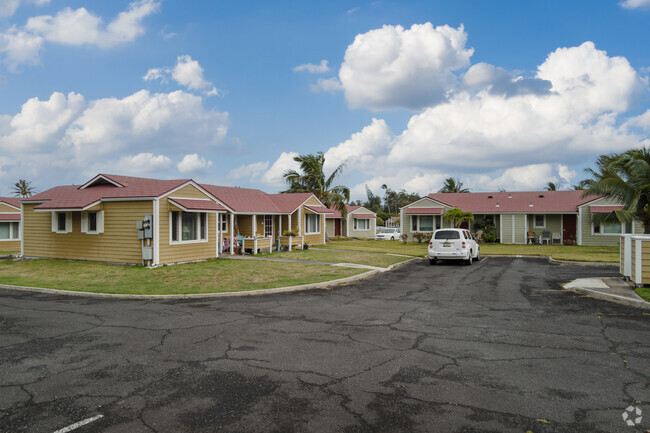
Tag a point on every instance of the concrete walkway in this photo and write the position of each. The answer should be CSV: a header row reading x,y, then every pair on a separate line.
x,y
316,262
610,289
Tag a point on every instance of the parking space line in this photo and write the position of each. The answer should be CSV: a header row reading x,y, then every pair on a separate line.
x,y
79,424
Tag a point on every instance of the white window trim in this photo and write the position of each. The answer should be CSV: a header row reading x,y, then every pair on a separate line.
x,y
307,224
198,228
11,231
224,225
272,226
535,221
369,225
419,228
99,226
55,222
593,233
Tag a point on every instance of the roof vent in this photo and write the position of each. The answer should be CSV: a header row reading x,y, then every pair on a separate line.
x,y
497,204
509,195
541,196
531,204
489,196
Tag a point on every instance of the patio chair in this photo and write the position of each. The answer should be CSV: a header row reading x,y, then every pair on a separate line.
x,y
545,237
532,237
478,236
556,237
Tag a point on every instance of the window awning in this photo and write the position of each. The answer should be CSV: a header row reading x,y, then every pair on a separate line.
x,y
319,209
190,205
424,211
604,209
363,215
10,217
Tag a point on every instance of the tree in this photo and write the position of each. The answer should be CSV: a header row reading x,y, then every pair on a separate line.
x,y
312,179
453,185
457,217
374,201
23,188
551,186
582,185
625,178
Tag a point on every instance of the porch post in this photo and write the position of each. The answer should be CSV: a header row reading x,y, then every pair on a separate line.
x,y
232,233
279,230
217,233
254,229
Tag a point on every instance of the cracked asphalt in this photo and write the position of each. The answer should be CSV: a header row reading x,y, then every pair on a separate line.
x,y
495,347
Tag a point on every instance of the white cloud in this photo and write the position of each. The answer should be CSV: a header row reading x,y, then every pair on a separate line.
x,y
329,85
635,4
187,72
19,48
142,164
353,10
392,67
274,175
249,171
193,163
312,68
8,7
81,27
641,121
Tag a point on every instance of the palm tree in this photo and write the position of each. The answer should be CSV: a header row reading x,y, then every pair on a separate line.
x,y
453,185
624,178
311,178
457,216
582,185
551,186
23,188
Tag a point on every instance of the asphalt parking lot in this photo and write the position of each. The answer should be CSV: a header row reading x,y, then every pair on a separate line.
x,y
495,347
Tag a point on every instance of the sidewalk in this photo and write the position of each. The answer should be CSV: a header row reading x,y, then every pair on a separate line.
x,y
609,289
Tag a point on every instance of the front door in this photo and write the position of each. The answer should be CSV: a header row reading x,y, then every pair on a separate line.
x,y
337,227
568,226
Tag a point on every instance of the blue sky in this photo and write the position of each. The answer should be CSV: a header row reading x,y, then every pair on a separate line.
x,y
503,94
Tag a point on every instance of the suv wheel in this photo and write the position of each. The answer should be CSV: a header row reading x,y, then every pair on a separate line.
x,y
469,259
433,261
478,257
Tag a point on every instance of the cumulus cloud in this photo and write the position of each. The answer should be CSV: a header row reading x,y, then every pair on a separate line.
x,y
251,172
187,72
274,175
329,85
635,4
640,121
312,68
142,164
18,47
393,67
81,27
9,7
501,82
192,163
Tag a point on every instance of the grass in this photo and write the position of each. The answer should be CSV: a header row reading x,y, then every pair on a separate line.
x,y
644,292
559,252
340,257
213,276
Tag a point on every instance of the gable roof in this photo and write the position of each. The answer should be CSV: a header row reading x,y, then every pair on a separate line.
x,y
11,201
335,213
74,197
243,200
288,203
516,201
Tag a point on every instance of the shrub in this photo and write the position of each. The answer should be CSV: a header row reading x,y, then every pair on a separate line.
x,y
404,238
422,236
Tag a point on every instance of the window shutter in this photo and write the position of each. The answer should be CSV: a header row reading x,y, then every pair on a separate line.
x,y
54,222
84,222
100,221
68,222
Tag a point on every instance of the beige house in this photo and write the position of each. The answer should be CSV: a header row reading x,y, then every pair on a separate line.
x,y
154,222
10,226
359,222
521,217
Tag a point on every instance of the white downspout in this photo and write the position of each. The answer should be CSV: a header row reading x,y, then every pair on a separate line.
x,y
156,231
232,234
22,230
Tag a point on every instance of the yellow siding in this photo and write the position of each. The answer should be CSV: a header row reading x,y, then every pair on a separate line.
x,y
10,246
119,242
316,239
245,225
185,252
312,201
8,209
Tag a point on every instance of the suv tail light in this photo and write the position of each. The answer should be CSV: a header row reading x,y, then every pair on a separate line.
x,y
430,244
463,244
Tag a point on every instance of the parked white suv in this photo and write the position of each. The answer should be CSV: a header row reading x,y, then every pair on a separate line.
x,y
453,244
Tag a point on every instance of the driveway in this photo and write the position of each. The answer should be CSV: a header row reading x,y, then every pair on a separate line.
x,y
494,347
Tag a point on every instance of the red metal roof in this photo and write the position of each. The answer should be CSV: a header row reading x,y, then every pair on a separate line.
x,y
604,209
9,217
363,215
335,213
71,197
424,211
197,205
516,201
319,209
245,200
11,201
288,203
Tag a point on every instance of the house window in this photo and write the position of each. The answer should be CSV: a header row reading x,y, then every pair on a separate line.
x,y
92,221
191,226
60,221
540,221
361,224
224,224
5,231
426,223
612,229
268,226
312,223
414,223
15,230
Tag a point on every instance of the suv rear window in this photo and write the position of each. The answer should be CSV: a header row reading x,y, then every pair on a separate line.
x,y
447,234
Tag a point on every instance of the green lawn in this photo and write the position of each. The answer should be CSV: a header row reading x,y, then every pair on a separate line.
x,y
380,260
559,252
219,275
644,292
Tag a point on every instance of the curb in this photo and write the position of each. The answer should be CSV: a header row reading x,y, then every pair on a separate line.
x,y
552,260
638,303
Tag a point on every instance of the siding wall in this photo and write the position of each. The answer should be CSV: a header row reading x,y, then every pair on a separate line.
x,y
8,209
597,239
405,220
361,233
184,252
119,243
330,227
9,246
645,262
506,228
316,239
553,224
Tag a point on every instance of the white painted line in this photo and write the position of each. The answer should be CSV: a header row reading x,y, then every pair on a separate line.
x,y
79,424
